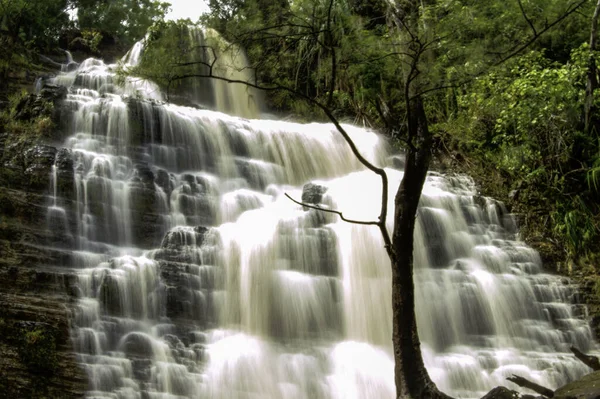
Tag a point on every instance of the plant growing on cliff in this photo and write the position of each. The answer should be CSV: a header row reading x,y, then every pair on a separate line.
x,y
38,350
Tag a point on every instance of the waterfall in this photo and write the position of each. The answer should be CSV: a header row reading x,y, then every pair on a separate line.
x,y
198,278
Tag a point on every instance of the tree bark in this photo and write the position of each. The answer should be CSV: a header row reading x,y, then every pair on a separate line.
x,y
591,361
411,376
525,383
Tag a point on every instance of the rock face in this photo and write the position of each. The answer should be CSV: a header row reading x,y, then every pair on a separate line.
x,y
313,193
587,387
36,291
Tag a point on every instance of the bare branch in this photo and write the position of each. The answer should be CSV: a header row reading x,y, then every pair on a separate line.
x,y
529,42
535,37
318,208
525,383
526,17
590,361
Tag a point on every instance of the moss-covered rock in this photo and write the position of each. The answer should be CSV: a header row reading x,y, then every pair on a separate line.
x,y
587,387
37,348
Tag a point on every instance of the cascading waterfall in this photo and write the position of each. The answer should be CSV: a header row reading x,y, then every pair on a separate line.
x,y
199,278
209,54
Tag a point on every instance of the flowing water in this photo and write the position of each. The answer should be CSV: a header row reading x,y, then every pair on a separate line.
x,y
198,278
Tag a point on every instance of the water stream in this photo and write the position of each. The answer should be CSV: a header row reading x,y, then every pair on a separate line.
x,y
198,278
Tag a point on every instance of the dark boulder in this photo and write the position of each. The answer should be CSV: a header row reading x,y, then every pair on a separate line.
x,y
137,345
313,193
501,393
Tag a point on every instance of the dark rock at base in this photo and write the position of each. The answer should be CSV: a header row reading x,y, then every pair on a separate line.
x,y
501,393
36,359
587,387
37,348
313,193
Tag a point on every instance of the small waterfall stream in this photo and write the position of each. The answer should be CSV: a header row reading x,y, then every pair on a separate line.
x,y
198,278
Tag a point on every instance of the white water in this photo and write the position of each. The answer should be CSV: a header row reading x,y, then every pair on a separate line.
x,y
273,301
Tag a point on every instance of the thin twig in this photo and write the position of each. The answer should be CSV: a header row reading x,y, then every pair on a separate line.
x,y
318,208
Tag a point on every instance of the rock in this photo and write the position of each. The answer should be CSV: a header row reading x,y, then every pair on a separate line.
x,y
137,345
587,387
53,93
36,359
110,295
38,346
38,162
143,175
165,181
65,173
142,369
501,393
397,162
313,193
178,238
252,172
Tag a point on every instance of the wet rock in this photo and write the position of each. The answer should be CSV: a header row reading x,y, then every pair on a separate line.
x,y
137,345
143,175
53,93
179,302
236,139
144,123
587,387
165,181
34,341
313,193
38,161
110,295
142,369
252,173
65,173
501,393
397,162
177,238
435,237
34,106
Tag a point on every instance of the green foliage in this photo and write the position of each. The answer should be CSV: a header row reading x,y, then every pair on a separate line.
x,y
27,116
128,20
91,39
524,118
34,23
169,52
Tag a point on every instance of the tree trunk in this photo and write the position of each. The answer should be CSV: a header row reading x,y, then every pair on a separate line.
x,y
411,377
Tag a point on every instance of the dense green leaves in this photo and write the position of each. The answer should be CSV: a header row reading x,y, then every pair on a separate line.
x,y
127,20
